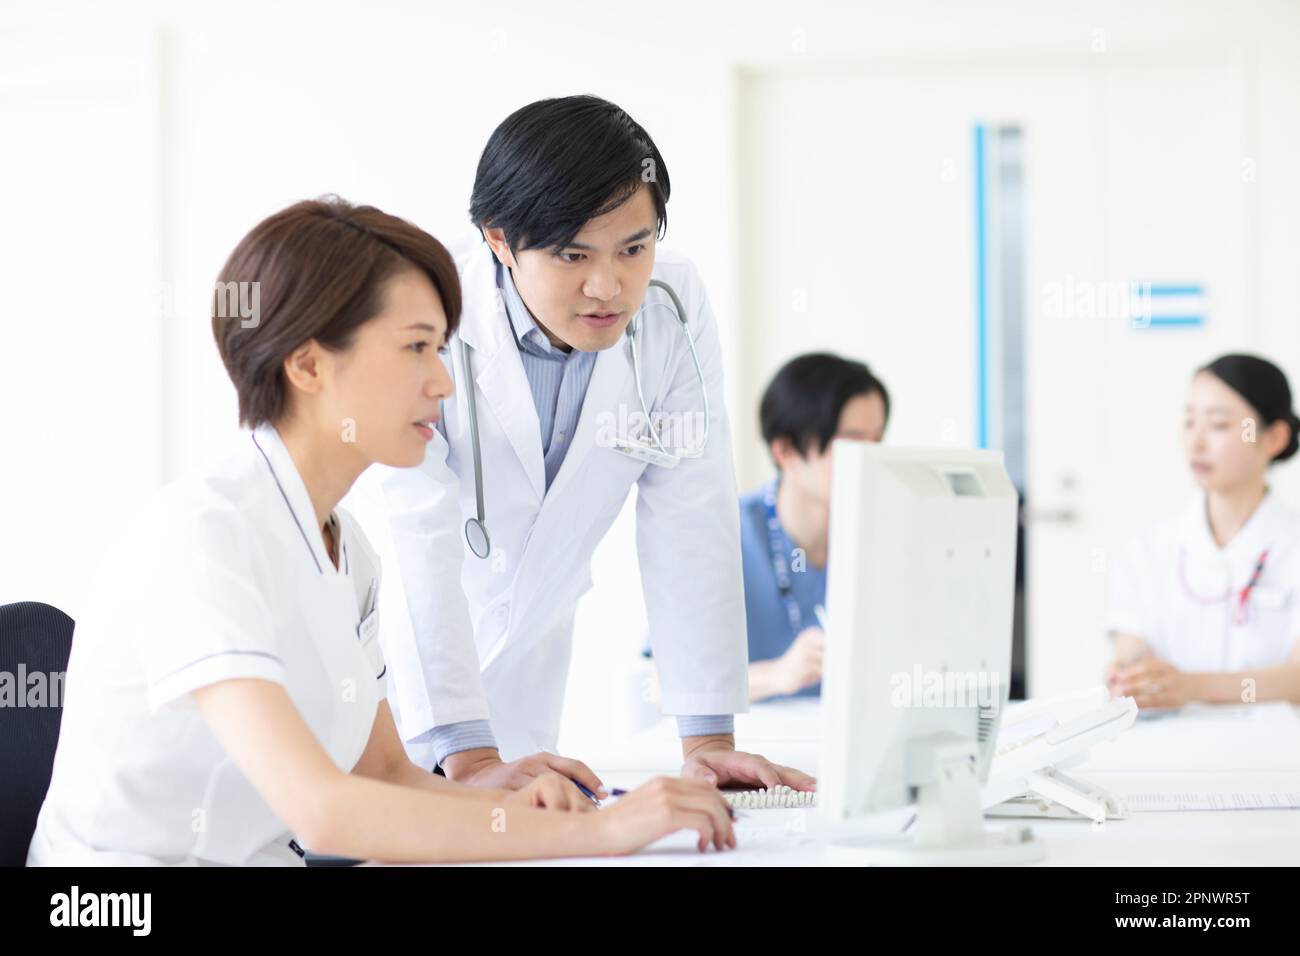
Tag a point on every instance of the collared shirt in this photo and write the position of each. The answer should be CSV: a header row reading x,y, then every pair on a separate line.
x,y
770,630
557,379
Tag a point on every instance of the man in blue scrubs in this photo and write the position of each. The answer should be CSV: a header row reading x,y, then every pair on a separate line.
x,y
784,525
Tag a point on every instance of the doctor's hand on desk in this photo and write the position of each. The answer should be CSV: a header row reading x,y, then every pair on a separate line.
x,y
715,760
485,768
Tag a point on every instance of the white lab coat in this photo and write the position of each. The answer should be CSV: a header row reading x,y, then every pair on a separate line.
x,y
1174,587
513,620
223,576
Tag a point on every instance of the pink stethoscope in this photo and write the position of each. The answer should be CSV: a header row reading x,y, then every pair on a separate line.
x,y
1239,615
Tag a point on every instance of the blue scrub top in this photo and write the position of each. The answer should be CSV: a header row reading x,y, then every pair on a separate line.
x,y
770,632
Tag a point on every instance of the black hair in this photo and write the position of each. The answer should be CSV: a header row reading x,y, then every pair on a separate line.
x,y
1264,387
554,165
804,400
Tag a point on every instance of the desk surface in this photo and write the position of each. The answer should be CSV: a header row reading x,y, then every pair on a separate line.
x,y
1214,751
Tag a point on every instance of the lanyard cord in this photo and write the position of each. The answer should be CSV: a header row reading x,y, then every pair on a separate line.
x,y
780,568
1243,596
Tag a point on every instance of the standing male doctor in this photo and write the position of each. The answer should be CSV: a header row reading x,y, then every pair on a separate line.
x,y
570,199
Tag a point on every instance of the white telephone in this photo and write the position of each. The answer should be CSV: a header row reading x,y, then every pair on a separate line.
x,y
1044,738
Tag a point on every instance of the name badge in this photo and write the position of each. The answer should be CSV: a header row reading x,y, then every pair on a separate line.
x,y
644,451
369,627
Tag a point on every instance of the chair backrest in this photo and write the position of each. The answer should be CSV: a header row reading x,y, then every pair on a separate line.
x,y
35,641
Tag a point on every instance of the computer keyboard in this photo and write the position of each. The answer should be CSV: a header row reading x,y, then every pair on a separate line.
x,y
779,797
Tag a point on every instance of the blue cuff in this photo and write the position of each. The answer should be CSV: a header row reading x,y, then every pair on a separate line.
x,y
703,726
448,739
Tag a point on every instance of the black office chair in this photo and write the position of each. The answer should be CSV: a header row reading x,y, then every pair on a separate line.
x,y
33,638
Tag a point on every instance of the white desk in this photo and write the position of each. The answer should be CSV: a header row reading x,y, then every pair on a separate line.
x,y
1177,753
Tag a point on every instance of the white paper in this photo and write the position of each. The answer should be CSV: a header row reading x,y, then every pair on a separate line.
x,y
1241,800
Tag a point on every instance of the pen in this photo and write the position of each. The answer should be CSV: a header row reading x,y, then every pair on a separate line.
x,y
1240,616
592,796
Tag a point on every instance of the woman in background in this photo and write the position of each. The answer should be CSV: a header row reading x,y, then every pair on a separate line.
x,y
1206,606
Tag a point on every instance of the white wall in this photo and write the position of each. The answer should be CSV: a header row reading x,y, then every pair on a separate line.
x,y
80,348
258,105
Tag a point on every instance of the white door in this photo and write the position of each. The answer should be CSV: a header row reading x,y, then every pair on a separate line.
x,y
1172,196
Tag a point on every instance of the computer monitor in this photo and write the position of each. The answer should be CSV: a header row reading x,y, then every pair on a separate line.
x,y
920,592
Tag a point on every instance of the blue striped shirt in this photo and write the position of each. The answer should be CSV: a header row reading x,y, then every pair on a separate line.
x,y
558,381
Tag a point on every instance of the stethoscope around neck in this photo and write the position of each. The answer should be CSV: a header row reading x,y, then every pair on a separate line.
x,y
654,452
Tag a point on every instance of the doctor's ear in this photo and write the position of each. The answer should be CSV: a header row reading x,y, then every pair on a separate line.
x,y
496,239
303,367
784,453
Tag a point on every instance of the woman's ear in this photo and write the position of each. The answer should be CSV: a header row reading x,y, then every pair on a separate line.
x,y
1277,436
302,368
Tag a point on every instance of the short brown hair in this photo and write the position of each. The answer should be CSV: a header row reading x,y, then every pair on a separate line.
x,y
321,268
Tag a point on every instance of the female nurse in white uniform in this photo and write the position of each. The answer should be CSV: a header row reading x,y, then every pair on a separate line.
x,y
1206,606
225,698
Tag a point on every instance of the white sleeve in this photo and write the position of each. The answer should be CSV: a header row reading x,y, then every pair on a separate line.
x,y
199,616
688,544
1129,595
412,517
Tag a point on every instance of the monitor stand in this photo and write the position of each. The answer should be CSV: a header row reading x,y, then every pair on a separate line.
x,y
948,829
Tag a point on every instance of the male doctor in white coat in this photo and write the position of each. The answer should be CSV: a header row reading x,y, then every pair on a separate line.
x,y
569,199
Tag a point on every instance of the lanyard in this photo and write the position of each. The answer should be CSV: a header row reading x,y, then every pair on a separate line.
x,y
1240,616
776,546
1243,596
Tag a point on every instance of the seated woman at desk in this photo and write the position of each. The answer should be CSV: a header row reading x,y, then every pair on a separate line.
x,y
1206,606
226,692
784,525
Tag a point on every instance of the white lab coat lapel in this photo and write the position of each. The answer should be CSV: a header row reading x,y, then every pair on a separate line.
x,y
604,391
1216,568
1202,566
555,519
1260,533
498,369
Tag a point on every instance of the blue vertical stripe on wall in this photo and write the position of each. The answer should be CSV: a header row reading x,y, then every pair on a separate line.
x,y
981,295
